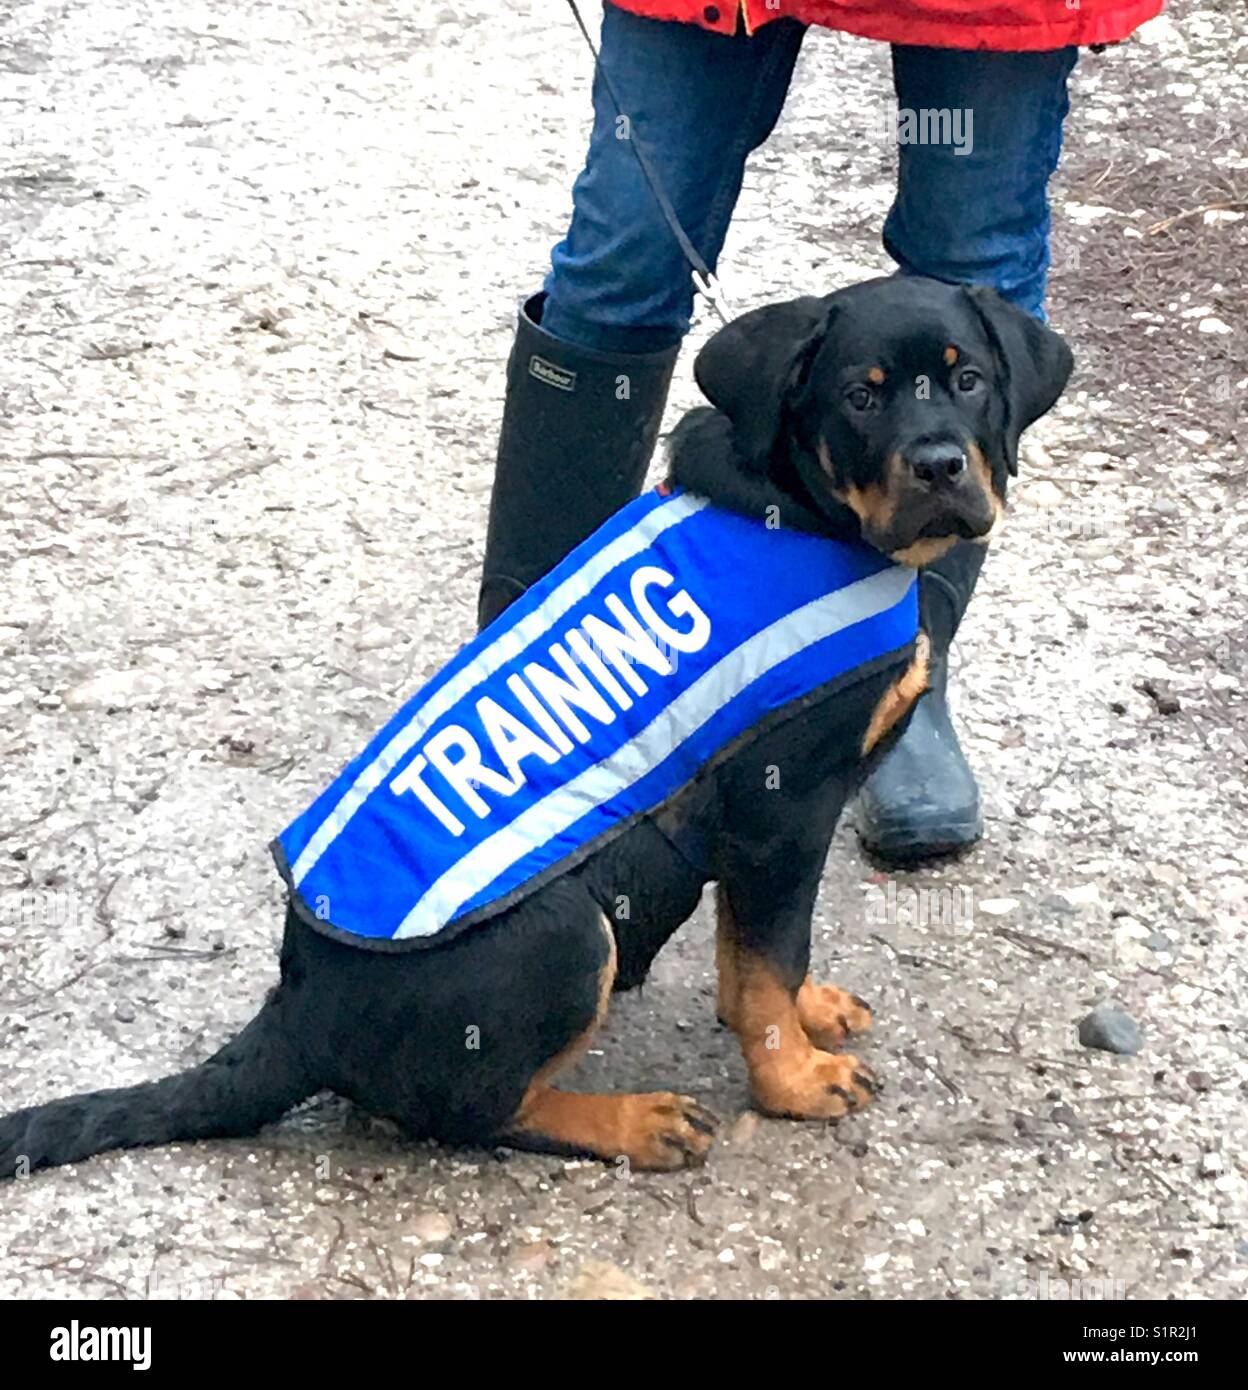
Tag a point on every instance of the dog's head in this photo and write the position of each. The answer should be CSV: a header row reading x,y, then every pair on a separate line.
x,y
901,399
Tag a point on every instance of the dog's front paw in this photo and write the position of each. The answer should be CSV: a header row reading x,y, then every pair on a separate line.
x,y
814,1086
829,1015
662,1131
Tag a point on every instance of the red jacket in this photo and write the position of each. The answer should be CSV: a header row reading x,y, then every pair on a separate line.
x,y
997,24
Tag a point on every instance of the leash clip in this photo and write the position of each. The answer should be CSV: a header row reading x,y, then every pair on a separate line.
x,y
711,290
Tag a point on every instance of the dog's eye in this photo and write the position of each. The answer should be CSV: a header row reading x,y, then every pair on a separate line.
x,y
859,398
968,380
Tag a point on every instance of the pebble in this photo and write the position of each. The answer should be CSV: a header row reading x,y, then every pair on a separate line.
x,y
533,1257
743,1130
1085,895
430,1227
1043,493
374,639
600,1280
115,688
1111,1029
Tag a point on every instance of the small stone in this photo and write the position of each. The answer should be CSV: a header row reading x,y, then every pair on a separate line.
x,y
533,1257
124,1013
1085,895
997,907
1110,1029
115,689
1165,700
600,1280
375,638
1159,941
430,1227
1214,325
1043,493
743,1130
1200,1081
1210,1165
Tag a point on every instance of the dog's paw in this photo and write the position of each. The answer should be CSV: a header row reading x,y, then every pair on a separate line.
x,y
829,1015
815,1086
663,1131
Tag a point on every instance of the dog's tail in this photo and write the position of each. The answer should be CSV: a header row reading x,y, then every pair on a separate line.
x,y
253,1079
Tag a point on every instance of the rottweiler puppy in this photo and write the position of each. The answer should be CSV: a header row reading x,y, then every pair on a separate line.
x,y
889,411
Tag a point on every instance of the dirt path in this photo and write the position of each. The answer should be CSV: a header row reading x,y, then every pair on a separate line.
x,y
260,262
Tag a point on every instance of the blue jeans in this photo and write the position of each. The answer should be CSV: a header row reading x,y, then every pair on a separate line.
x,y
701,102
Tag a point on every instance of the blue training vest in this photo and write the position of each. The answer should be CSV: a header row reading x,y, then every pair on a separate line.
x,y
673,631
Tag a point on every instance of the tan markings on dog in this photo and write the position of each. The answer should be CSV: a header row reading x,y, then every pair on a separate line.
x,y
950,355
876,376
656,1130
788,1074
924,552
899,696
828,1014
874,504
577,1048
983,476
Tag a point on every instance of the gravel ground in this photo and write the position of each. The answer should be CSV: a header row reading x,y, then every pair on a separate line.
x,y
261,263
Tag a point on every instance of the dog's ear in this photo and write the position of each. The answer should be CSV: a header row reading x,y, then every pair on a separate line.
x,y
1035,363
751,367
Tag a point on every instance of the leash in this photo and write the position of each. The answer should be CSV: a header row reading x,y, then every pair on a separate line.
x,y
704,281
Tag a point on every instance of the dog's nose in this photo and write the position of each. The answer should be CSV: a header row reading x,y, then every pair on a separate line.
x,y
937,464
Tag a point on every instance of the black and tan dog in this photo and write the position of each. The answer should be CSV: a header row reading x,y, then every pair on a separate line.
x,y
892,411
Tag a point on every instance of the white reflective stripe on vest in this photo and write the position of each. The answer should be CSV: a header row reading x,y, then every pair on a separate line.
x,y
687,713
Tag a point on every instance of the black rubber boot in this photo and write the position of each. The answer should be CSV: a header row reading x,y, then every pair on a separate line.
x,y
579,427
922,801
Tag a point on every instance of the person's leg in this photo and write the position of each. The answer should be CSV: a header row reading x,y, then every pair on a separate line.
x,y
974,209
593,356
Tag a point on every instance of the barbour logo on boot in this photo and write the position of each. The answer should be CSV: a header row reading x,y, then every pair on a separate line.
x,y
552,375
